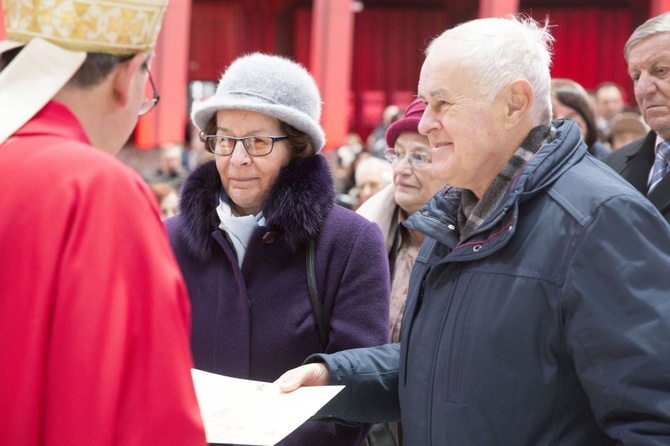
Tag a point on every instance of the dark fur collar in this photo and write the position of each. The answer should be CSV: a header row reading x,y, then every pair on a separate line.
x,y
296,207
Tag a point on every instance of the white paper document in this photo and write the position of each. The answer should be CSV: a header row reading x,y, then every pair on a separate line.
x,y
247,412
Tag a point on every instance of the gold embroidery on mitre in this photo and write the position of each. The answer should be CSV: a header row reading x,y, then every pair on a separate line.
x,y
105,26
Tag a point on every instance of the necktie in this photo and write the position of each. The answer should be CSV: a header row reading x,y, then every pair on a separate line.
x,y
660,165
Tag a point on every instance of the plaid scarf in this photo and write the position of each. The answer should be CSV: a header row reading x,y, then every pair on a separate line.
x,y
473,212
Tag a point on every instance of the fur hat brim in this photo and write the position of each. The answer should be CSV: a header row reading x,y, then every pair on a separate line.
x,y
269,84
204,111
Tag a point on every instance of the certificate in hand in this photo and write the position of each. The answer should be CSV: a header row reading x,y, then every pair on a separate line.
x,y
240,411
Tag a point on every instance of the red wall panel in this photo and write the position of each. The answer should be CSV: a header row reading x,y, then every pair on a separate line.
x,y
166,123
589,44
222,31
389,43
388,55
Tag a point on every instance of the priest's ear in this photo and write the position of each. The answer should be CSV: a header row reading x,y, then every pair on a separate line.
x,y
128,81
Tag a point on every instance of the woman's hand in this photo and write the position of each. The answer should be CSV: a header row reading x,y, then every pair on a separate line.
x,y
315,374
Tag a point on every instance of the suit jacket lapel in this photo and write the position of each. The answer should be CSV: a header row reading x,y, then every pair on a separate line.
x,y
639,164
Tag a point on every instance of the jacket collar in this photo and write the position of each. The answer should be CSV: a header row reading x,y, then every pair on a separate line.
x,y
438,218
639,161
296,207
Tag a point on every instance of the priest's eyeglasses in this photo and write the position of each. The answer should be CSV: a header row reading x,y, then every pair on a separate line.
x,y
149,103
223,145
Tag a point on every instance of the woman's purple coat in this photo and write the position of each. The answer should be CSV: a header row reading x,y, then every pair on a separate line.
x,y
257,322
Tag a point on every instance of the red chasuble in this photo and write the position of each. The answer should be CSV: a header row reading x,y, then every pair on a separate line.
x,y
94,315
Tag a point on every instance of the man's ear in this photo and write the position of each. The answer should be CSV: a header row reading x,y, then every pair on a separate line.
x,y
125,79
520,97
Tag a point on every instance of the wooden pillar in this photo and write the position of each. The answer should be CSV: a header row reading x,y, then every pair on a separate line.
x,y
497,8
659,7
166,123
330,64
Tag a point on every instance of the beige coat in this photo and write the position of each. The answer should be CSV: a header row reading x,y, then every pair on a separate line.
x,y
402,246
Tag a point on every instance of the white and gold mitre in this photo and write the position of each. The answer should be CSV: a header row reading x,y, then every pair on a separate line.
x,y
56,35
101,26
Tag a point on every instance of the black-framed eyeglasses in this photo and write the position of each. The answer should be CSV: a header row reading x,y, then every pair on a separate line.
x,y
416,159
149,103
223,145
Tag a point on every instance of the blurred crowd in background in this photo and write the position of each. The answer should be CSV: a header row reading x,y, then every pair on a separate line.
x,y
605,117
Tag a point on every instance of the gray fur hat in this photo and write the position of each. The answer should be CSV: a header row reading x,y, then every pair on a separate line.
x,y
271,85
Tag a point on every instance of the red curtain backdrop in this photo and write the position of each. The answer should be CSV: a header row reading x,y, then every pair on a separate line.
x,y
388,54
389,43
222,31
589,44
387,57
166,124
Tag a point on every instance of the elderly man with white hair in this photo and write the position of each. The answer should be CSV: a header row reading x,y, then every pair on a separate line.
x,y
537,310
644,162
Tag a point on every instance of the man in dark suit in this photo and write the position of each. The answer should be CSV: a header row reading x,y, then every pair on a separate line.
x,y
648,55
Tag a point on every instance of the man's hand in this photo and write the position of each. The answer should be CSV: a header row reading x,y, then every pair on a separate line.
x,y
306,375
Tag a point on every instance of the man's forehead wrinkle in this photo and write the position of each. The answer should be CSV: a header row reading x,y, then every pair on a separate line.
x,y
439,93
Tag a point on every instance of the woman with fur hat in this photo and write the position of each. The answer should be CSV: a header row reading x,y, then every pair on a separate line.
x,y
248,222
